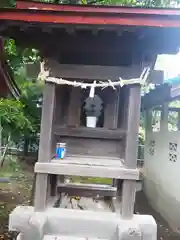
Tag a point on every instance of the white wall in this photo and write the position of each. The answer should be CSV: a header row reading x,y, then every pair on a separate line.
x,y
162,174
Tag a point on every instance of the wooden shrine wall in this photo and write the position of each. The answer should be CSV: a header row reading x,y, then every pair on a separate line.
x,y
102,141
92,72
108,138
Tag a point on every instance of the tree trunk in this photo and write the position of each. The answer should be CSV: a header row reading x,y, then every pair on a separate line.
x,y
4,153
26,146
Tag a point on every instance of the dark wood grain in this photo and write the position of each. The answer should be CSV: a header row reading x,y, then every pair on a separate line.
x,y
92,147
94,133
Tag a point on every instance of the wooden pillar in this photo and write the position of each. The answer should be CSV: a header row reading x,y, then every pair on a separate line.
x,y
45,145
111,113
131,150
122,123
164,117
148,122
111,109
123,104
74,111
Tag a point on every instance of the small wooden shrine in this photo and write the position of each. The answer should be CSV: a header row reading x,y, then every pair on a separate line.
x,y
83,46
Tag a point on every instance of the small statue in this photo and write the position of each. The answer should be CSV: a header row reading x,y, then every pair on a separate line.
x,y
93,107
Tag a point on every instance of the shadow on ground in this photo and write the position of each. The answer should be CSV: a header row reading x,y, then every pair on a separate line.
x,y
16,192
164,231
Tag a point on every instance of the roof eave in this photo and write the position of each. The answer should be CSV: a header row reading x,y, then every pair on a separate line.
x,y
92,15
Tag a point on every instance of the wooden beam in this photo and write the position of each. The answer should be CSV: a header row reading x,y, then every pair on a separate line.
x,y
95,133
89,43
104,44
86,190
92,72
87,170
170,109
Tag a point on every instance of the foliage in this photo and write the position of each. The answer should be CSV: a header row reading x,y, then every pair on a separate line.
x,y
12,116
18,57
149,3
146,3
31,98
21,118
7,3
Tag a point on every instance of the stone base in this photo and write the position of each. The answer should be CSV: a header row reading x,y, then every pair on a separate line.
x,y
81,224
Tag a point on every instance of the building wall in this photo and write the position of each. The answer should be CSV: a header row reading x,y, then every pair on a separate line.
x,y
162,174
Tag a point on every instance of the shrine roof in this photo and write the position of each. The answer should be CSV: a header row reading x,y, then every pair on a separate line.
x,y
91,15
112,33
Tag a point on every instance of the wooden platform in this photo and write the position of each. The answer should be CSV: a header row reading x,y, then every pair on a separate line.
x,y
88,159
88,167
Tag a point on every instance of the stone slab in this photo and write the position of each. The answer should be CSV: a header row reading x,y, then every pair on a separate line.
x,y
78,223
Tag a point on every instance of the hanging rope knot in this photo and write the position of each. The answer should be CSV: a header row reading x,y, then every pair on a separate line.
x,y
75,84
111,84
92,90
121,82
83,86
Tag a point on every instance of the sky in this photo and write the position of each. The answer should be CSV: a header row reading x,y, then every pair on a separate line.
x,y
170,64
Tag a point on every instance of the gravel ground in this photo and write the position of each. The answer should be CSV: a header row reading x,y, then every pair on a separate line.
x,y
18,192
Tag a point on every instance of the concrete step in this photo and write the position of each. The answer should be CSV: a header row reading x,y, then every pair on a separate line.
x,y
76,224
61,237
